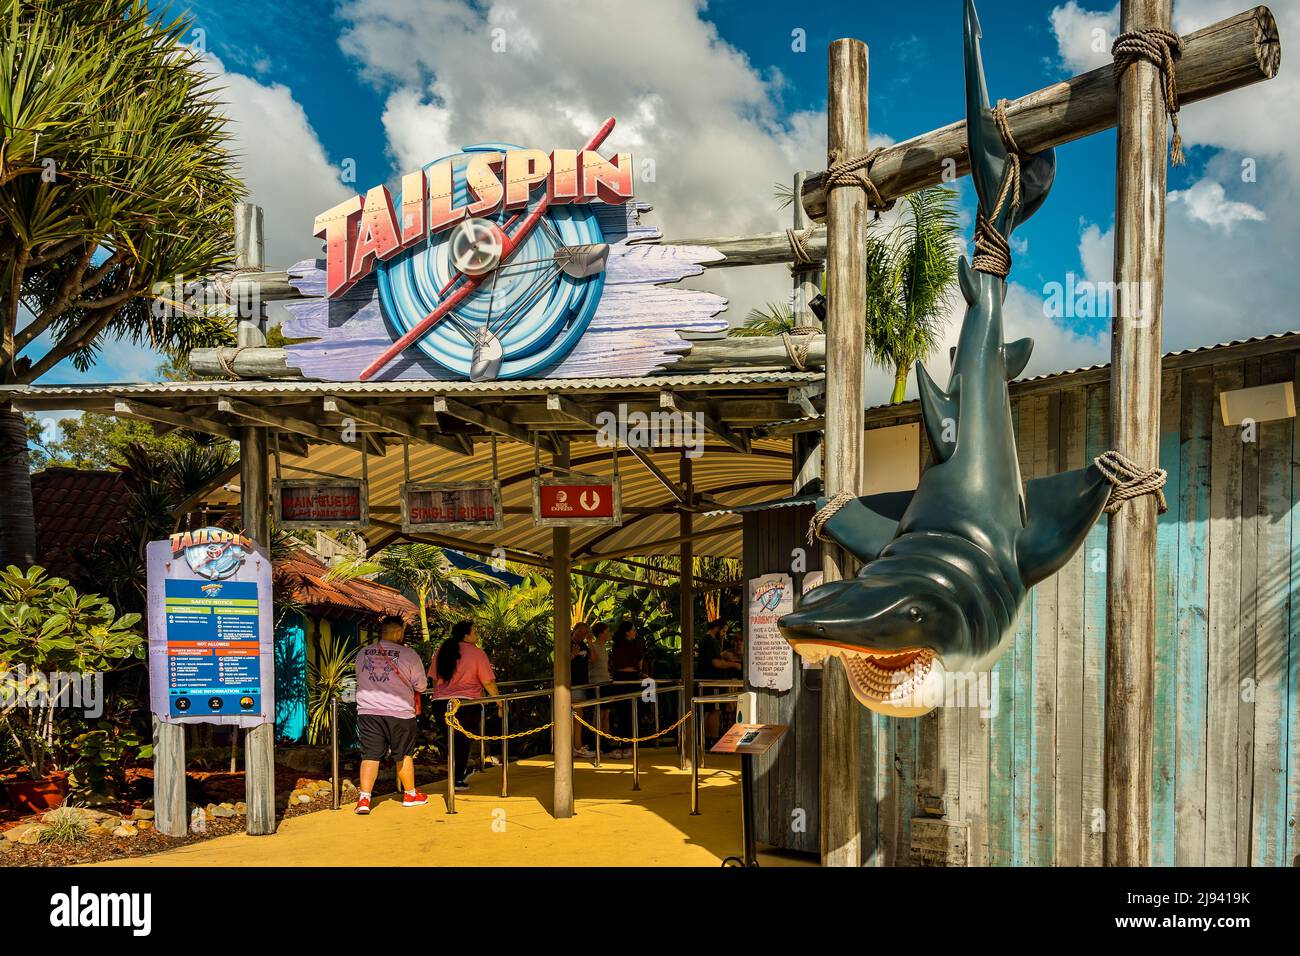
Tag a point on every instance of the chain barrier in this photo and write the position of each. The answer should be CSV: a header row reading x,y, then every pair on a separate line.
x,y
633,740
455,724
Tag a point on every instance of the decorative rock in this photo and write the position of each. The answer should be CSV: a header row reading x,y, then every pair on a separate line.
x,y
223,810
139,813
143,825
14,834
100,830
32,834
5,847
125,830
241,808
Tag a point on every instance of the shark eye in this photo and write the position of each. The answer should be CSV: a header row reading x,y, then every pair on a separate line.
x,y
915,613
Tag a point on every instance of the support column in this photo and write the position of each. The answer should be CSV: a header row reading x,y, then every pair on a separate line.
x,y
259,742
1142,124
562,698
846,230
686,567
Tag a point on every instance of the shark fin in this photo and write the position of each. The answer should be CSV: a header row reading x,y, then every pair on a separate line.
x,y
1016,355
865,525
938,409
1061,511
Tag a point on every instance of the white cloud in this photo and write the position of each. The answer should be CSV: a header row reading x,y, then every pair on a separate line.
x,y
281,161
1084,37
1207,202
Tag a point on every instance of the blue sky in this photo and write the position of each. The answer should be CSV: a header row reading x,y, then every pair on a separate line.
x,y
383,83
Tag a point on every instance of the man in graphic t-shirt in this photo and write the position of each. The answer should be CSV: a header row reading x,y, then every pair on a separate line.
x,y
390,677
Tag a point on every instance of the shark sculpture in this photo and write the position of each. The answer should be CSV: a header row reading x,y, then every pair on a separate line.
x,y
946,575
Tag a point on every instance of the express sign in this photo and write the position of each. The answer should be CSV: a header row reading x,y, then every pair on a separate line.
x,y
577,500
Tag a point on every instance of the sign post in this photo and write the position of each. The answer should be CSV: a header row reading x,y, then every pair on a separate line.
x,y
211,648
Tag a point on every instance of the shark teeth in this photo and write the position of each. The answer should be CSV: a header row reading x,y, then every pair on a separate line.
x,y
882,676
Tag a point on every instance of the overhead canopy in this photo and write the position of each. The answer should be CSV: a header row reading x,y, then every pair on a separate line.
x,y
446,432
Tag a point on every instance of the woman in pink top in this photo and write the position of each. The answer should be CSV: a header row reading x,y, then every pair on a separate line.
x,y
461,669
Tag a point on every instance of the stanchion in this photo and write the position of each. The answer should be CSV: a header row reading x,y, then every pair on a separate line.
x,y
451,763
695,760
334,749
636,732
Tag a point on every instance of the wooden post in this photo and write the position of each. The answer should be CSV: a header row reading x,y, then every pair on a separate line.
x,y
562,697
169,778
846,230
259,742
807,279
686,568
1142,125
249,254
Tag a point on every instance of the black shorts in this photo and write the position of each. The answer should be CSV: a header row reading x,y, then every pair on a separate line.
x,y
381,734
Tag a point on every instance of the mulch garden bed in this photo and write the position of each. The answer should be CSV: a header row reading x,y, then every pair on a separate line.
x,y
203,789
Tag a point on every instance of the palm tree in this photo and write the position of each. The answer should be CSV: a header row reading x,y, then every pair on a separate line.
x,y
910,273
514,626
909,277
421,569
115,177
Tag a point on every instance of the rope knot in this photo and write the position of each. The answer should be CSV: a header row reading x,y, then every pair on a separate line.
x,y
1130,481
824,514
797,342
856,171
1161,48
799,246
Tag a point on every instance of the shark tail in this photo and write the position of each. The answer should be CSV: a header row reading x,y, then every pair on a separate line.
x,y
989,153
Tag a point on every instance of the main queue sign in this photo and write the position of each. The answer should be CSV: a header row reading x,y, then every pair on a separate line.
x,y
577,501
321,503
451,506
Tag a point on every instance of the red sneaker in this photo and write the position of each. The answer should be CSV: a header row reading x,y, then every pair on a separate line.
x,y
416,799
363,806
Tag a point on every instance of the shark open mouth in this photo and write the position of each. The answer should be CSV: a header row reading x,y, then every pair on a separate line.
x,y
902,683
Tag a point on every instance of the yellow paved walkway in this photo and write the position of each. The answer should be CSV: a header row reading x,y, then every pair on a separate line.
x,y
612,826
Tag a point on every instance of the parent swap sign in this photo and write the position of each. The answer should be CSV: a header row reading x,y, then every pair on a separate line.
x,y
211,636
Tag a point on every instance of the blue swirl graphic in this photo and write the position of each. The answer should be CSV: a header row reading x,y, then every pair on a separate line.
x,y
537,313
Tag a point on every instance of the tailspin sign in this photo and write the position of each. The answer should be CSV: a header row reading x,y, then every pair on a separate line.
x,y
211,638
492,264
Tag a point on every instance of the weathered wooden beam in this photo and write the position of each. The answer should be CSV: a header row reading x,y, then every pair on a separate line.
x,y
1141,176
1227,55
288,423
846,309
708,417
752,352
485,420
143,410
762,249
646,546
253,362
395,424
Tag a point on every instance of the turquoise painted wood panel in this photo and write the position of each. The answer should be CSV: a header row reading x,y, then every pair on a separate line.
x,y
1164,722
1192,617
291,678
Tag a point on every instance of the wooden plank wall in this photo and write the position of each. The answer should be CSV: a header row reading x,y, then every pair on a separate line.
x,y
786,803
1027,778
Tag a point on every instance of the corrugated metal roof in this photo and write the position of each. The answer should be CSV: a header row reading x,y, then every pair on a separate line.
x,y
502,389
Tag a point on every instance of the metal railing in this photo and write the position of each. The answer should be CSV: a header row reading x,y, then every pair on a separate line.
x,y
733,684
697,705
599,701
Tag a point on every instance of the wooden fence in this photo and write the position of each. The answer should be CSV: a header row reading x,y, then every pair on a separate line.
x,y
1025,780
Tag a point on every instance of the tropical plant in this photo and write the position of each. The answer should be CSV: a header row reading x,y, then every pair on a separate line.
x,y
115,177
910,276
770,319
47,629
421,569
65,825
514,627
327,676
101,757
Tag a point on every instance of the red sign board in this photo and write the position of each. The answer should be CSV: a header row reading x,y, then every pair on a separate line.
x,y
320,503
576,500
